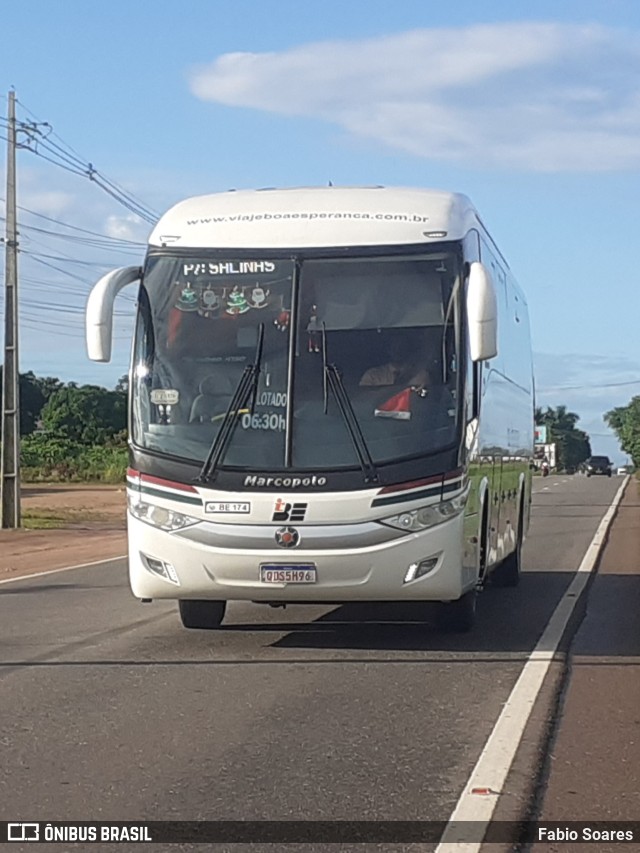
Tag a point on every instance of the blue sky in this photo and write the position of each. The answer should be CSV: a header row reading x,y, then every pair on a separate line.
x,y
533,110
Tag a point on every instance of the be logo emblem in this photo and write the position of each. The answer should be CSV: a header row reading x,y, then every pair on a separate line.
x,y
283,511
287,537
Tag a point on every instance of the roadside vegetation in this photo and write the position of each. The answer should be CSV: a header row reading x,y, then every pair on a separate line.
x,y
71,432
572,444
625,422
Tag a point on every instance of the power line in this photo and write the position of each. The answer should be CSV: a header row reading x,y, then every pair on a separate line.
x,y
107,244
54,267
123,296
585,387
55,287
65,309
39,140
65,259
45,257
77,228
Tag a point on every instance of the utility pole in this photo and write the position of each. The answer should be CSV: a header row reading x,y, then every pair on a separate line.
x,y
10,457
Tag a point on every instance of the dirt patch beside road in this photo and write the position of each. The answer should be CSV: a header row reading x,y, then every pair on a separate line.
x,y
82,524
73,505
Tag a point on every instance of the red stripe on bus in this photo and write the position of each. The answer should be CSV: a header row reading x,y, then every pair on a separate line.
x,y
428,481
158,481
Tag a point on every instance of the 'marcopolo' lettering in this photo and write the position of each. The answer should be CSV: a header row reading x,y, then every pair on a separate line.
x,y
284,482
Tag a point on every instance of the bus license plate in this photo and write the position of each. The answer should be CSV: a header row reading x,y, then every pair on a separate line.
x,y
298,573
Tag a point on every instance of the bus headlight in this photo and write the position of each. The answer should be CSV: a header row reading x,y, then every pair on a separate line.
x,y
158,516
427,516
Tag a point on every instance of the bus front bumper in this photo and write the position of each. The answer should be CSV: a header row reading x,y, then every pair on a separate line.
x,y
423,566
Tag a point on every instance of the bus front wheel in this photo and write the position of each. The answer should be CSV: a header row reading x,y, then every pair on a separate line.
x,y
458,616
206,615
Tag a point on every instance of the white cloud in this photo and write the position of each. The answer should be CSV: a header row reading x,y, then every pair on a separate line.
x,y
127,227
49,203
52,201
533,96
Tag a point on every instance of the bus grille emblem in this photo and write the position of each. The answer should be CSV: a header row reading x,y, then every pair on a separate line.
x,y
283,511
287,537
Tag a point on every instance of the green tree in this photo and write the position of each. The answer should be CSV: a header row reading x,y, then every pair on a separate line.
x,y
32,400
87,414
123,383
625,422
34,393
572,444
48,384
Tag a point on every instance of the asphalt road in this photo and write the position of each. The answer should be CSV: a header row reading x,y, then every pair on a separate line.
x,y
110,710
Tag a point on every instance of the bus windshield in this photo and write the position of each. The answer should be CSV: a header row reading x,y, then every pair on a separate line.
x,y
388,325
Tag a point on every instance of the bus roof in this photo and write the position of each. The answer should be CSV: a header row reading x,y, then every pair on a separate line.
x,y
306,217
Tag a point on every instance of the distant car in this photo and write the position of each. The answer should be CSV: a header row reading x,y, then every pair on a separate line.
x,y
621,472
599,465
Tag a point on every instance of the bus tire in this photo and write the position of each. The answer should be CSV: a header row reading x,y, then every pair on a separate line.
x,y
205,615
458,616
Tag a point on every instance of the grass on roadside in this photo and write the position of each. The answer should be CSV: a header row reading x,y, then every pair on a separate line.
x,y
44,519
40,519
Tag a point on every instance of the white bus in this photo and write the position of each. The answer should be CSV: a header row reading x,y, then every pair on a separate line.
x,y
331,400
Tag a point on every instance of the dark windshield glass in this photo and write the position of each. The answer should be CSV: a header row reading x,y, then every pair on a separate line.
x,y
389,325
197,331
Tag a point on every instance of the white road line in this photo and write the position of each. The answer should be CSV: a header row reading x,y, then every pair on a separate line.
x,y
63,569
492,767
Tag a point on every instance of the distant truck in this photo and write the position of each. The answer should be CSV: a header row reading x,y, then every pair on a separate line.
x,y
545,452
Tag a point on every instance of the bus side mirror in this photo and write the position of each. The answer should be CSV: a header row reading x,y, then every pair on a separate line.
x,y
99,311
482,314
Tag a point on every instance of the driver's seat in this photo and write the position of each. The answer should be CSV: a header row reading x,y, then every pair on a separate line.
x,y
215,392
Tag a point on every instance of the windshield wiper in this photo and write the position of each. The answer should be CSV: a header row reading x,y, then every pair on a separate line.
x,y
332,379
247,388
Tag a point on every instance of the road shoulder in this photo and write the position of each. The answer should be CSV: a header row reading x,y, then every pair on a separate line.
x,y
86,523
593,766
26,552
